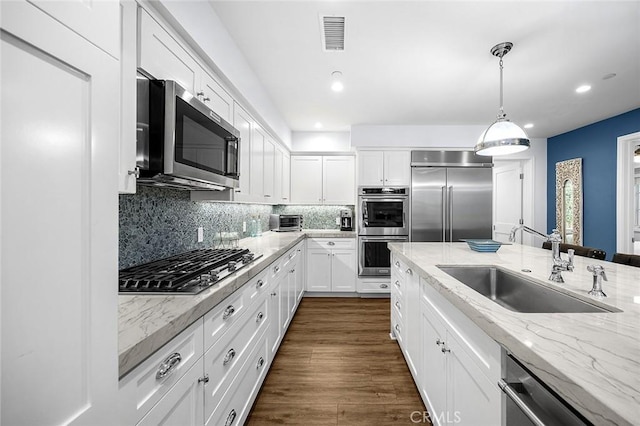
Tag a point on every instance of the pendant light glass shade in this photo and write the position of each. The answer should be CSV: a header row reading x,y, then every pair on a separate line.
x,y
502,137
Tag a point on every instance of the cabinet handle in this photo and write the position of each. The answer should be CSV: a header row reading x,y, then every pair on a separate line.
x,y
398,305
228,312
290,255
204,379
331,243
292,271
229,356
384,286
205,99
409,271
439,342
260,284
298,250
200,93
135,172
444,349
273,294
397,264
260,363
259,317
276,269
397,327
230,418
168,365
397,283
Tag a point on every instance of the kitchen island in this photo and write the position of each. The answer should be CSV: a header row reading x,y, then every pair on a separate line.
x,y
592,360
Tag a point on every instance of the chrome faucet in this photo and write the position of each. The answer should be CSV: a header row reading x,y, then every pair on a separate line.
x,y
559,264
598,276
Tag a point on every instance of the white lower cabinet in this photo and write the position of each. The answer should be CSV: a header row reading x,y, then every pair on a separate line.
x,y
456,365
331,265
211,372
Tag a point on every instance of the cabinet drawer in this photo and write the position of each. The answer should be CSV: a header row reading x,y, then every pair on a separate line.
x,y
238,399
142,388
373,286
224,359
481,348
218,320
256,287
332,243
397,305
397,327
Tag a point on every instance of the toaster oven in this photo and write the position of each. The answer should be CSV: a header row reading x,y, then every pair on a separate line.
x,y
285,222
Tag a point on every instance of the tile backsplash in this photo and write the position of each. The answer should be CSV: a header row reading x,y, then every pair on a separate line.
x,y
157,222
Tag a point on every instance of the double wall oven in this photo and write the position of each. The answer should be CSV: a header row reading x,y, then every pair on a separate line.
x,y
383,216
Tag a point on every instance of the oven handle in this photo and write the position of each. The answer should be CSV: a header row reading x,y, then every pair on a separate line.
x,y
384,238
513,395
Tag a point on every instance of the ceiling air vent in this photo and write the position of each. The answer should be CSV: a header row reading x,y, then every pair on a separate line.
x,y
332,33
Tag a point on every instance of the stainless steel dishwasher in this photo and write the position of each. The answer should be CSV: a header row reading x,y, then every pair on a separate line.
x,y
530,402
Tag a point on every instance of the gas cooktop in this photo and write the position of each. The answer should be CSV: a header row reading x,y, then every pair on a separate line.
x,y
187,273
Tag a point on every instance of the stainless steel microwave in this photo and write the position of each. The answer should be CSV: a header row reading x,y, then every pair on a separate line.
x,y
181,143
285,222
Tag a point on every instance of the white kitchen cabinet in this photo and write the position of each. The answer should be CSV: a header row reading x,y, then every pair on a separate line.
x,y
376,168
269,170
338,180
410,302
433,382
163,57
244,123
128,57
278,294
257,186
286,178
278,175
322,179
331,265
213,95
59,150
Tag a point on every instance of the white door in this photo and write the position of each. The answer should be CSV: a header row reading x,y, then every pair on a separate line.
x,y
343,270
306,179
318,270
397,168
243,122
370,168
507,200
338,180
257,187
59,223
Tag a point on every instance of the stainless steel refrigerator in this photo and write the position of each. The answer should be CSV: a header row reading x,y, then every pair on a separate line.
x,y
451,195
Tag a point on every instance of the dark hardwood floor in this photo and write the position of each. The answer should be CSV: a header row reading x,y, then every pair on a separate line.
x,y
338,366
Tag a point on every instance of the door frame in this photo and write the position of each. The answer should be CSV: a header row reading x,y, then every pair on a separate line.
x,y
624,192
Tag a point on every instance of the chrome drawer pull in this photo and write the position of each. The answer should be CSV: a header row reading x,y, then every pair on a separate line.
x,y
168,365
230,418
409,271
397,305
260,363
439,342
384,286
331,243
397,283
444,348
397,327
290,255
260,284
259,317
398,264
276,269
204,379
228,312
229,356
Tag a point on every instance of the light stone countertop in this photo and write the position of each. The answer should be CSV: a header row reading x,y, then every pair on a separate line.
x,y
147,322
591,359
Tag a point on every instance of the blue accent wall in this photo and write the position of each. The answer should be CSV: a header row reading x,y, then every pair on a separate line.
x,y
596,144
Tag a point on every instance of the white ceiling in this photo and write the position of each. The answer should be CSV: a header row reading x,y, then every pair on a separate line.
x,y
428,62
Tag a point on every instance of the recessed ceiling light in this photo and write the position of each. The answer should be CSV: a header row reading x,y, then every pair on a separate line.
x,y
608,76
318,125
583,88
337,85
528,125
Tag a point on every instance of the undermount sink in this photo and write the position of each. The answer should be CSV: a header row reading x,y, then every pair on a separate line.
x,y
515,292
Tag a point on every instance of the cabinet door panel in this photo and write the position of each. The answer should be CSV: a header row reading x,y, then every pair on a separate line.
x,y
269,167
472,399
286,178
306,179
276,314
277,176
258,140
128,58
244,123
397,168
63,331
215,97
338,180
433,386
162,56
370,168
318,270
343,270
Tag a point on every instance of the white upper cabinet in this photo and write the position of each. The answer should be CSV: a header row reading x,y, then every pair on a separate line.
x,y
306,179
128,57
376,168
214,96
163,57
338,180
323,179
257,187
96,21
277,176
269,165
59,339
244,123
286,177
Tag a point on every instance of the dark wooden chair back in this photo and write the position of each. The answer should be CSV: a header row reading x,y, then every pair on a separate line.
x,y
627,259
590,252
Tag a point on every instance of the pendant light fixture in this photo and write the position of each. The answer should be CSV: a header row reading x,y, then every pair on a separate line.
x,y
502,136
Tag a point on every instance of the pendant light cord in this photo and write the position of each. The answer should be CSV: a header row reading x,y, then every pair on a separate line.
x,y
501,114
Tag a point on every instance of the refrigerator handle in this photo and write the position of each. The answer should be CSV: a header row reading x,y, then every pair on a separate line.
x,y
444,213
450,214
